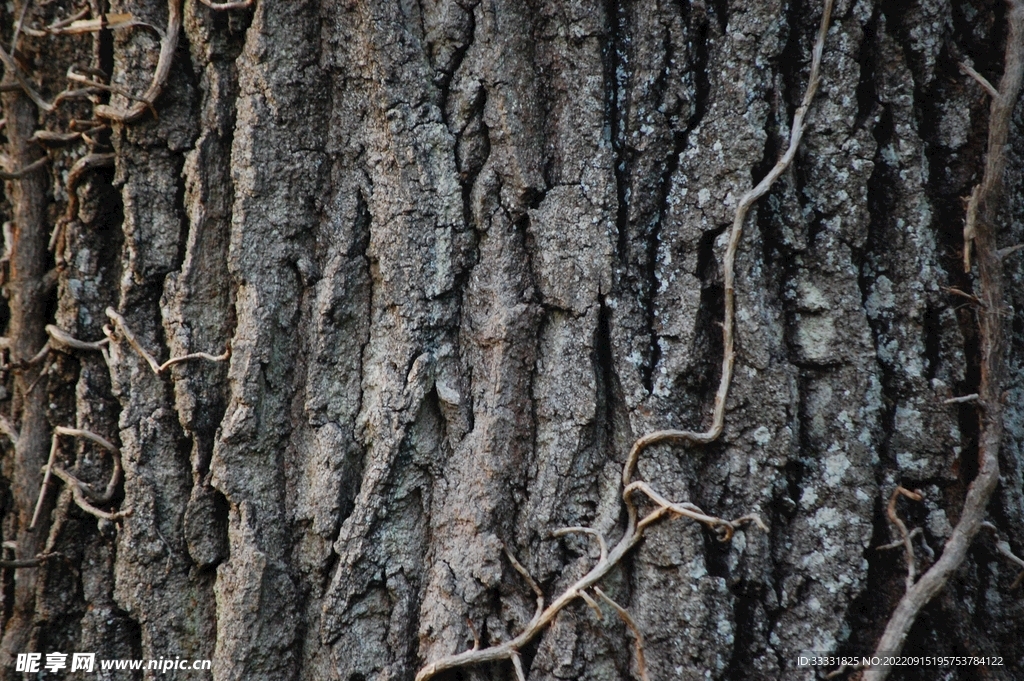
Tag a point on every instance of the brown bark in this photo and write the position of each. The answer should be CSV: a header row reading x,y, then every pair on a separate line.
x,y
463,254
26,294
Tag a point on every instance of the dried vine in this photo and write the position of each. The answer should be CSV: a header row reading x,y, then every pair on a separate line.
x,y
84,494
980,227
158,368
1006,551
168,46
906,537
664,509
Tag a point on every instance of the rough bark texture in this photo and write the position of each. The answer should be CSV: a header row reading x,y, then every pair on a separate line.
x,y
464,253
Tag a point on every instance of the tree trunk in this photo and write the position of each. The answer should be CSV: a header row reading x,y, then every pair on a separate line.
x,y
463,254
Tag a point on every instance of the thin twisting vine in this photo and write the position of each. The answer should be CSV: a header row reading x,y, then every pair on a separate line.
x,y
664,509
84,87
84,494
906,537
1006,551
158,368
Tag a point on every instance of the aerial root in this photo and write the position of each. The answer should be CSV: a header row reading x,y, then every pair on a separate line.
x,y
84,494
641,663
126,333
1004,549
905,536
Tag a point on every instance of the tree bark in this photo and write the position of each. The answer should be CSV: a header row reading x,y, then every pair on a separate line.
x,y
462,254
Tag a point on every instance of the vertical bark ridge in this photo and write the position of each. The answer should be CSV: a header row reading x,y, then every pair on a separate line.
x,y
197,299
279,133
414,247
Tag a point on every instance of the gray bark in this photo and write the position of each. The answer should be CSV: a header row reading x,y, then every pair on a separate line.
x,y
464,253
